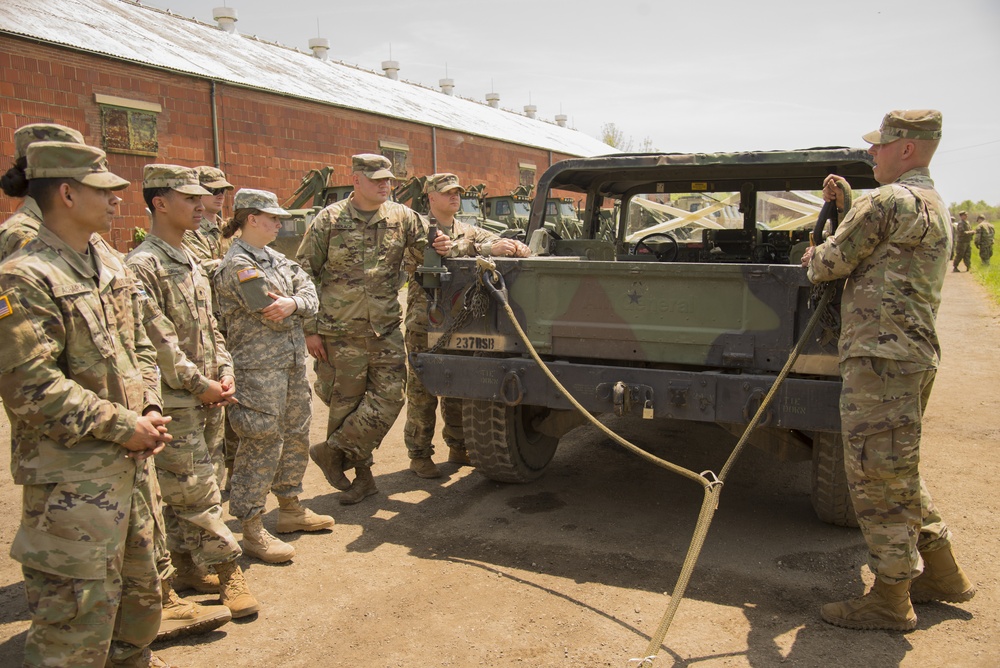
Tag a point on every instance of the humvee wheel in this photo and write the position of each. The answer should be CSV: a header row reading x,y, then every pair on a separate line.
x,y
830,497
501,442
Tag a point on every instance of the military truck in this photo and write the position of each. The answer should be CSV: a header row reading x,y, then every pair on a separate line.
x,y
512,210
694,329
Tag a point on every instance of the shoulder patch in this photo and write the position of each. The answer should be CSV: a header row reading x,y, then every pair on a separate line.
x,y
21,341
5,308
248,274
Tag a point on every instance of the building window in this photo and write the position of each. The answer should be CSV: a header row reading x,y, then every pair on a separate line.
x,y
128,126
526,174
397,154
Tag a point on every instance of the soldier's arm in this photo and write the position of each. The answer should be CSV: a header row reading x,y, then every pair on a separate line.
x,y
145,352
304,292
312,255
861,231
176,370
33,386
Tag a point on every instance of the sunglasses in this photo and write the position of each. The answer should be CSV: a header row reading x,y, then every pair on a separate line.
x,y
216,191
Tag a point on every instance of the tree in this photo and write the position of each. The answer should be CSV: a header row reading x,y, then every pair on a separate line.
x,y
613,136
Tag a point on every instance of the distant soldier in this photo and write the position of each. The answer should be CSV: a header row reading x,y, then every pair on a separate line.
x,y
354,250
963,242
78,379
892,249
984,239
197,377
444,194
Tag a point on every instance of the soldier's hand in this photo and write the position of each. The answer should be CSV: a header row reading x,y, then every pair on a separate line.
x,y
314,344
215,395
833,190
807,256
509,248
228,384
442,244
280,308
150,436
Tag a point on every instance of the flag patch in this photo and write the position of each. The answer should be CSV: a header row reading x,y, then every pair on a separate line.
x,y
5,308
247,274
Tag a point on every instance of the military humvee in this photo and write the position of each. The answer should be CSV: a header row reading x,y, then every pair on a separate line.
x,y
646,324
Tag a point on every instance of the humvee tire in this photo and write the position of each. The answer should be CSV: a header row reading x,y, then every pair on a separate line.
x,y
830,497
501,443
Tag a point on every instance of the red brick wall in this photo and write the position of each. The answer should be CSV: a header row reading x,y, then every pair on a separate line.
x,y
266,140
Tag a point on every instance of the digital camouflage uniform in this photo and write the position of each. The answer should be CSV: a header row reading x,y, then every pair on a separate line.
x,y
76,371
421,405
355,264
984,241
273,415
191,496
892,248
963,244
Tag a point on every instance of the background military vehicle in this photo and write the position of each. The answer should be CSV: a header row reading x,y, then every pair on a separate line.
x,y
694,329
512,210
315,192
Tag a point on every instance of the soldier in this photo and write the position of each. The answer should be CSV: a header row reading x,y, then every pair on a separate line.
x,y
23,226
263,297
444,195
892,248
984,239
208,247
197,377
353,251
83,397
963,242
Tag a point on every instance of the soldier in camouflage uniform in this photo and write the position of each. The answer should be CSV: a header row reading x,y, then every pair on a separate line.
x,y
892,248
354,250
208,247
263,297
197,377
444,194
984,239
82,394
963,242
23,226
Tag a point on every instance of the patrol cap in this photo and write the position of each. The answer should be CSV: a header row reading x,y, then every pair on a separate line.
x,y
372,165
212,177
441,183
980,217
26,135
262,200
67,160
907,123
182,179
963,213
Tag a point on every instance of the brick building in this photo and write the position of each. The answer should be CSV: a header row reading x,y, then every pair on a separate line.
x,y
149,86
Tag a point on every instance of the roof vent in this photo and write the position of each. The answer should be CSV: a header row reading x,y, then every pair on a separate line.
x,y
530,110
493,99
561,120
320,47
227,18
391,68
447,86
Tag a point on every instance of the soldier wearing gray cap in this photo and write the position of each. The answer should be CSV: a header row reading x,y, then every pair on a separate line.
x,y
892,248
444,194
354,251
197,378
86,429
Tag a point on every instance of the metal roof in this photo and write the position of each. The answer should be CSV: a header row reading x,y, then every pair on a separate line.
x,y
129,31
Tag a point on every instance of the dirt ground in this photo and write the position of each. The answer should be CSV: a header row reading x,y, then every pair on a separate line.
x,y
574,570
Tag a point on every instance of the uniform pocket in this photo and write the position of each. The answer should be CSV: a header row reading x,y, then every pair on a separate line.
x,y
73,559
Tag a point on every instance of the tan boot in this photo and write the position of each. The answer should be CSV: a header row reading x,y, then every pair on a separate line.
x,y
330,461
424,467
257,542
942,580
184,618
459,456
234,591
886,606
363,486
145,659
292,516
190,576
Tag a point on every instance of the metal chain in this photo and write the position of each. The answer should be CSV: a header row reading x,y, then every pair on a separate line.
x,y
473,306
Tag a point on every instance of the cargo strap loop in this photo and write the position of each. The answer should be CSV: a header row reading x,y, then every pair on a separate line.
x,y
710,483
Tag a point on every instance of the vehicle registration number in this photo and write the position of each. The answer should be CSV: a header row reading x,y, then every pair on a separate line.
x,y
472,343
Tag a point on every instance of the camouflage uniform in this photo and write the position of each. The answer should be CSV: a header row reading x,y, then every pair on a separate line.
x,y
20,228
73,385
984,241
356,264
893,248
190,352
421,405
207,244
963,244
273,415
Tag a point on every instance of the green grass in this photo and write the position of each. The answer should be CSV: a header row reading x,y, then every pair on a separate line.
x,y
988,276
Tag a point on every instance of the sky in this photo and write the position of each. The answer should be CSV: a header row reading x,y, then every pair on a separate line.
x,y
693,76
